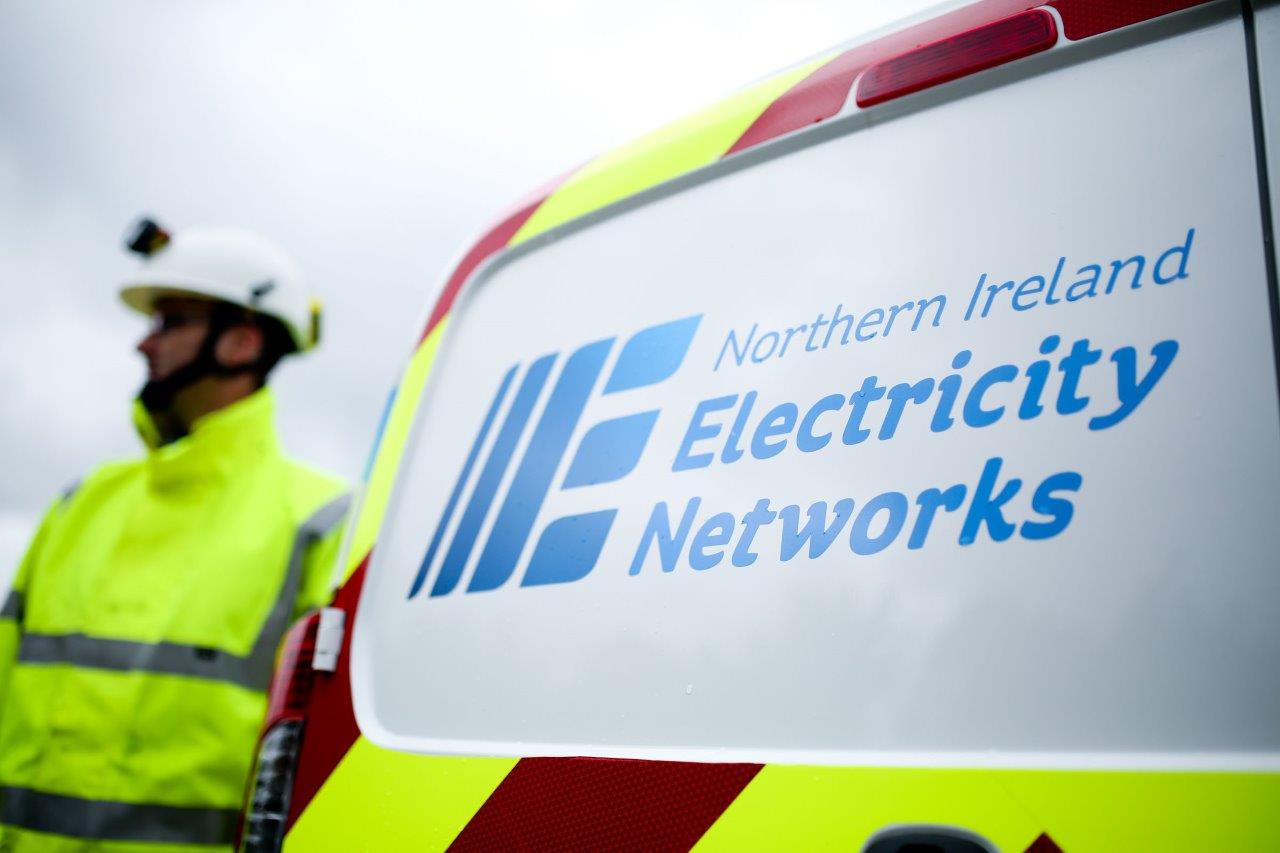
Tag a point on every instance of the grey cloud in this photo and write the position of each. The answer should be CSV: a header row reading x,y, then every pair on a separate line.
x,y
373,140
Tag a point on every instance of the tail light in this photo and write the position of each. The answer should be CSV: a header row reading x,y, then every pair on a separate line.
x,y
311,645
951,58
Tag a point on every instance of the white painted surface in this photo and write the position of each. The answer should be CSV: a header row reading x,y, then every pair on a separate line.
x,y
1144,634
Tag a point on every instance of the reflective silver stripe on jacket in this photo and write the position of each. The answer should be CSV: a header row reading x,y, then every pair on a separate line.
x,y
12,607
107,820
262,658
252,671
69,491
124,655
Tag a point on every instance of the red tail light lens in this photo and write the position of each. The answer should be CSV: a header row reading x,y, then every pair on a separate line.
x,y
292,680
976,50
271,785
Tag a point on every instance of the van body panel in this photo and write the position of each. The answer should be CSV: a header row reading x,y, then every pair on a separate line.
x,y
844,631
1087,774
428,803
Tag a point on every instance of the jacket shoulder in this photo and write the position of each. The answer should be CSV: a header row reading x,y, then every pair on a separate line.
x,y
310,489
107,475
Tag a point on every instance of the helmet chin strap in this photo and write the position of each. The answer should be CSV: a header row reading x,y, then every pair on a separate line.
x,y
157,395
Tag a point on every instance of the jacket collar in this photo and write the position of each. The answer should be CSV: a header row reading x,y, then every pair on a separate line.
x,y
220,443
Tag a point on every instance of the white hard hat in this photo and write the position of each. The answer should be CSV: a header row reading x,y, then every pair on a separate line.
x,y
227,264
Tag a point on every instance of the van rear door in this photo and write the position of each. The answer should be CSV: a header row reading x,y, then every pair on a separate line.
x,y
947,435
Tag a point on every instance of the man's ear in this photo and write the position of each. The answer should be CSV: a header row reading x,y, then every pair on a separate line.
x,y
239,346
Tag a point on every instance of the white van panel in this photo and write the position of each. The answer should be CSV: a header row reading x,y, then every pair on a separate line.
x,y
1127,617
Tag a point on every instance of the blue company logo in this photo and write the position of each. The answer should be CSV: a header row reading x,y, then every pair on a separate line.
x,y
568,547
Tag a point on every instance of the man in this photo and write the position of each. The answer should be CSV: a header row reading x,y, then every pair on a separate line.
x,y
138,642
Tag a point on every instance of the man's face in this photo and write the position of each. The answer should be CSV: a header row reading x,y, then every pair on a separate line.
x,y
178,327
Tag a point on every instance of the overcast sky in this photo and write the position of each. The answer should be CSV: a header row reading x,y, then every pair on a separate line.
x,y
373,140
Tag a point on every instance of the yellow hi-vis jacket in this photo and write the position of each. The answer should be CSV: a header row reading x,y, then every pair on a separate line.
x,y
137,644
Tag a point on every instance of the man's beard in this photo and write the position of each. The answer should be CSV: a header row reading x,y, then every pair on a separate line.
x,y
158,395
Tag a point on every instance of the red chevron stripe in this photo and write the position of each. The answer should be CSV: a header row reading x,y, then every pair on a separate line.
x,y
603,804
1043,844
1084,18
494,240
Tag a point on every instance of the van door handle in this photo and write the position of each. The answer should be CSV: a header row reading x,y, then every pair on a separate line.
x,y
927,838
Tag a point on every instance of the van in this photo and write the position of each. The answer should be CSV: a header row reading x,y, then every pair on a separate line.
x,y
884,459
